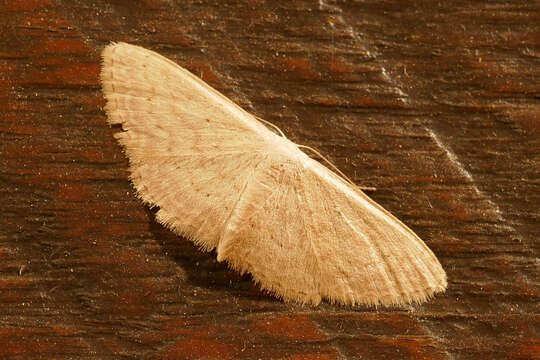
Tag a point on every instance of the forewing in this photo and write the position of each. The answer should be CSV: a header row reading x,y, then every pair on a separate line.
x,y
190,149
306,235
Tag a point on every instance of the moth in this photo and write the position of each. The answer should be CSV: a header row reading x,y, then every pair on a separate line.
x,y
223,180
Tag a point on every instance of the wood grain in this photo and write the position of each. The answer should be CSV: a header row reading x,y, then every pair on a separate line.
x,y
437,105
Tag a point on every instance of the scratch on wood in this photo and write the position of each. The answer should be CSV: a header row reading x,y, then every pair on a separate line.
x,y
461,169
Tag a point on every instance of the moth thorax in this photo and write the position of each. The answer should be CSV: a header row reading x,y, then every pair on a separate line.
x,y
282,146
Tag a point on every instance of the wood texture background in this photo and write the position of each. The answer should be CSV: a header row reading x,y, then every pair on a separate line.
x,y
437,104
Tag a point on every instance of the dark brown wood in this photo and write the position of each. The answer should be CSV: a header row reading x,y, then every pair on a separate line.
x,y
437,104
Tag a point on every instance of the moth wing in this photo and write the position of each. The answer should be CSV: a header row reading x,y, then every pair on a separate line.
x,y
190,149
304,235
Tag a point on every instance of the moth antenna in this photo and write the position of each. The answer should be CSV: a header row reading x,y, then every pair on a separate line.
x,y
275,127
343,176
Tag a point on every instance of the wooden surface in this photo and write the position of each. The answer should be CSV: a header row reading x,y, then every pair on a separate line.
x,y
437,104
